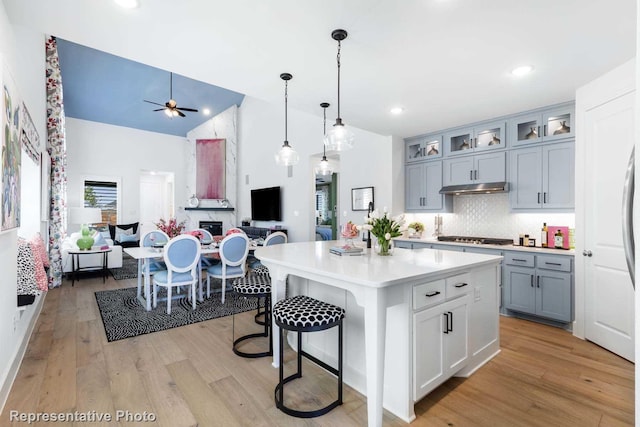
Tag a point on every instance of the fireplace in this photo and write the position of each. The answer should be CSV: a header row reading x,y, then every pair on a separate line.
x,y
213,227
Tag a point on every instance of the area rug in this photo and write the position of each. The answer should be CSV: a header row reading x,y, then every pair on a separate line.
x,y
129,269
124,317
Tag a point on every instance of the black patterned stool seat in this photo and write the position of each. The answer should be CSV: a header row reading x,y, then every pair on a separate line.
x,y
253,284
257,286
305,313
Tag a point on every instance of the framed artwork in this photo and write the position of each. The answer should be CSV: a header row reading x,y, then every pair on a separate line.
x,y
29,138
11,153
210,168
360,198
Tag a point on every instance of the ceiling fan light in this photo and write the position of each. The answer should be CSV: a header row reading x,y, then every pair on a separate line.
x,y
287,156
339,138
168,112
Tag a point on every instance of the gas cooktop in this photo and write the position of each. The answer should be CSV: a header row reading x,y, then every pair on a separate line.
x,y
476,240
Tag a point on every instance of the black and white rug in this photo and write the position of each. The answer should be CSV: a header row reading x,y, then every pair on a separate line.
x,y
129,269
124,317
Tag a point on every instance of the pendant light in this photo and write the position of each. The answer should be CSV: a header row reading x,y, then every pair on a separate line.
x,y
323,168
339,138
287,156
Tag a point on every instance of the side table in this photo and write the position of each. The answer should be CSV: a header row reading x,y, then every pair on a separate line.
x,y
75,263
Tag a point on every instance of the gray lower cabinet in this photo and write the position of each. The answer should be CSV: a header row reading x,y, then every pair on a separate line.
x,y
423,182
540,285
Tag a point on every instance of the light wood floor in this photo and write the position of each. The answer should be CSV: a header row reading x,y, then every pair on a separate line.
x,y
189,377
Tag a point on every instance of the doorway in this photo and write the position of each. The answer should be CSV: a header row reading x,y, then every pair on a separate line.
x,y
156,199
326,203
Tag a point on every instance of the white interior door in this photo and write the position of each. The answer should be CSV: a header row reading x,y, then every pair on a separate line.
x,y
155,201
608,130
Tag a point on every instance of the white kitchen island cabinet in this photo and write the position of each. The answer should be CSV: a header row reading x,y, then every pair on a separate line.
x,y
415,312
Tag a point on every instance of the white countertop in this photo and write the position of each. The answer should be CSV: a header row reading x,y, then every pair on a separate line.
x,y
371,269
539,250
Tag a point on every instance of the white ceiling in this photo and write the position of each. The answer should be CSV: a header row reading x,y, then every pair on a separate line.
x,y
446,62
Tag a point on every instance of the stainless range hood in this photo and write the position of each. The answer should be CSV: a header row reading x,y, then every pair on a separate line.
x,y
486,188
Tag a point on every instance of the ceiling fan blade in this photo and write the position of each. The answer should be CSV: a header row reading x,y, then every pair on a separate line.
x,y
151,102
159,109
187,109
180,113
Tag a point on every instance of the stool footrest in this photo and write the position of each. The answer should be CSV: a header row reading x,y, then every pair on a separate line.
x,y
319,362
302,414
251,355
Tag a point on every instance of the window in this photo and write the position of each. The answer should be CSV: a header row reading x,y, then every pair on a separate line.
x,y
103,195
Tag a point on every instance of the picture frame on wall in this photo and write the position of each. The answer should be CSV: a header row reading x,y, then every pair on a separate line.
x,y
360,198
210,169
11,154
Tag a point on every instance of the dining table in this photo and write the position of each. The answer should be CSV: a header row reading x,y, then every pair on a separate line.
x,y
147,253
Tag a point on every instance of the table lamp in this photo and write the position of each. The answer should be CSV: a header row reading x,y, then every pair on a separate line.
x,y
85,216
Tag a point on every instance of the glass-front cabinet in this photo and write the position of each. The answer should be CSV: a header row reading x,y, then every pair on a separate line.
x,y
485,136
543,126
423,148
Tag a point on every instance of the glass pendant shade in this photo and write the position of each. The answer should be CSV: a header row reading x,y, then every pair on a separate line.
x,y
287,156
339,138
323,167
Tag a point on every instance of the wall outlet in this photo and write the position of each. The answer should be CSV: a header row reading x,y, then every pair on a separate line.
x,y
476,294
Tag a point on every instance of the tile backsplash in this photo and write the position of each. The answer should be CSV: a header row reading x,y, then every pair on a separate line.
x,y
489,215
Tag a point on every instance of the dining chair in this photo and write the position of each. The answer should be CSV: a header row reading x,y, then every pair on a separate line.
x,y
207,238
233,256
155,237
275,238
181,255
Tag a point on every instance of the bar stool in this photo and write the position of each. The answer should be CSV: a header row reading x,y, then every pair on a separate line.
x,y
259,286
304,314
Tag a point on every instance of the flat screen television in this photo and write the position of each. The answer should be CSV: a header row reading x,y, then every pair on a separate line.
x,y
265,204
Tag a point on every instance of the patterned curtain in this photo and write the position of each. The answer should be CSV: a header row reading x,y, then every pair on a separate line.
x,y
57,148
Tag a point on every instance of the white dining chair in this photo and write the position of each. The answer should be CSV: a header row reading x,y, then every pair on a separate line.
x,y
182,257
233,256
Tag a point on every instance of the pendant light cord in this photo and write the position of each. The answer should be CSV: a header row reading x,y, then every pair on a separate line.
x,y
324,148
286,98
338,61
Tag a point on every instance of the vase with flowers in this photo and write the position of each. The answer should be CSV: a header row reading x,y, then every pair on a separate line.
x,y
349,231
384,227
172,227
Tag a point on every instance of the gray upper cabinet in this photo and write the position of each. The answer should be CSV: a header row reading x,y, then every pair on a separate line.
x,y
422,188
482,168
423,148
542,126
485,136
542,177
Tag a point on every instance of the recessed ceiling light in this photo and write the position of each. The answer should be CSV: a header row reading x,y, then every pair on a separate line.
x,y
128,4
522,70
206,111
396,110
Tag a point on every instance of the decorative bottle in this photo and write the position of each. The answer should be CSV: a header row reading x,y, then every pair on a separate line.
x,y
543,235
559,240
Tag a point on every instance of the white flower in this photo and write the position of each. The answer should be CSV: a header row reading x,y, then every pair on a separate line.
x,y
384,209
367,227
375,214
387,236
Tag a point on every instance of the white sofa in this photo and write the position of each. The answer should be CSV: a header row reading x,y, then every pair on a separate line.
x,y
114,258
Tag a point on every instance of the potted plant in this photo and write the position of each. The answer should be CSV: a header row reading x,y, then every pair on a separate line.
x,y
415,229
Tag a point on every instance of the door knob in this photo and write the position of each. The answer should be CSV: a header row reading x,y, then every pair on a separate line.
x,y
586,253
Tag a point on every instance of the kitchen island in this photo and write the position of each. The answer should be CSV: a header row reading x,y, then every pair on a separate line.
x,y
425,316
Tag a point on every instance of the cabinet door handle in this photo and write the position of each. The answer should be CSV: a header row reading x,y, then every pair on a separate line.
x,y
518,259
553,263
451,322
532,280
432,294
544,197
461,285
471,175
446,322
539,132
538,281
475,174
587,253
545,130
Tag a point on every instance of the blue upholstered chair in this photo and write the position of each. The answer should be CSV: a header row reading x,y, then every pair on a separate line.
x,y
207,238
275,238
181,255
155,237
233,256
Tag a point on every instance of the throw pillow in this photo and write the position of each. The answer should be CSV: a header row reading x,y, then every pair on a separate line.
x,y
27,284
128,238
113,232
98,240
38,244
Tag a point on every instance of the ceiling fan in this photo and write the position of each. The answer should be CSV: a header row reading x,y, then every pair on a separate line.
x,y
171,108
